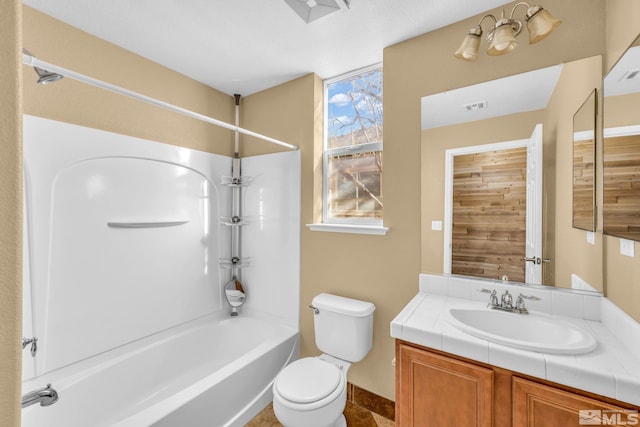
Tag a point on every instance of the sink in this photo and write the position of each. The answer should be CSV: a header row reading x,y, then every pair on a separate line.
x,y
535,331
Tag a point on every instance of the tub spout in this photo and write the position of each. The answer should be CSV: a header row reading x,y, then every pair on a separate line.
x,y
234,311
45,396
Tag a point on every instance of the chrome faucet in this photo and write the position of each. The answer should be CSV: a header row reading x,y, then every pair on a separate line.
x,y
44,396
506,301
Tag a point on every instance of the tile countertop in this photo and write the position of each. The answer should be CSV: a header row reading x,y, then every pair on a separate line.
x,y
611,370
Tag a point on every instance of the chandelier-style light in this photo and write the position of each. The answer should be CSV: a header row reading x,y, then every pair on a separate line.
x,y
502,37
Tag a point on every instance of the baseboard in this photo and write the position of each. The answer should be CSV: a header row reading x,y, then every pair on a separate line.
x,y
371,401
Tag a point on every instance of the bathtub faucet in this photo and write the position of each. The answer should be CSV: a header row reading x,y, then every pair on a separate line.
x,y
45,396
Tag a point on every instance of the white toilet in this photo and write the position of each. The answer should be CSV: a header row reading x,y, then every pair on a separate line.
x,y
312,392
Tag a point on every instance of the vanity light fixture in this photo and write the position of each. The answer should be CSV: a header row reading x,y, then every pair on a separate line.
x,y
502,37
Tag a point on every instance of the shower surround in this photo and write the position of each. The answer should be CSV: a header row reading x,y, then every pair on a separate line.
x,y
123,284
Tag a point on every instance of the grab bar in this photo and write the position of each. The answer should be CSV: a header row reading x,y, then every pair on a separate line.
x,y
149,224
45,396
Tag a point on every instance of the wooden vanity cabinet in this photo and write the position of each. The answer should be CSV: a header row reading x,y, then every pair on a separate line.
x,y
539,405
435,389
440,391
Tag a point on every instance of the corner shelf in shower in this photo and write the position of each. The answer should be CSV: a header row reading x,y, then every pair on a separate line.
x,y
145,224
234,262
232,221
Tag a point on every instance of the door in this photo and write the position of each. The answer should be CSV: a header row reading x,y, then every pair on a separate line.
x,y
493,210
434,390
538,405
533,247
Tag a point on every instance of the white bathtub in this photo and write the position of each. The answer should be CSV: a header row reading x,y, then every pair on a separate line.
x,y
214,371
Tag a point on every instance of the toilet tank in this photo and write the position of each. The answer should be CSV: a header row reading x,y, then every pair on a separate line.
x,y
343,326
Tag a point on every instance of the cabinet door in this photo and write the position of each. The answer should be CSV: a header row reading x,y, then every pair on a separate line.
x,y
437,391
538,405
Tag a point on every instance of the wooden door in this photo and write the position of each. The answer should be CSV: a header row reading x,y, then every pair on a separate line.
x,y
538,405
489,214
493,210
436,391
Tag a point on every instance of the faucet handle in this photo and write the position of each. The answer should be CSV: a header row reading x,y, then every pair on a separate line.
x,y
528,297
520,302
34,345
493,297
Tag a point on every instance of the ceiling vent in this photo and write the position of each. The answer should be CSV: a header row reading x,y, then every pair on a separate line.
x,y
476,106
312,10
631,74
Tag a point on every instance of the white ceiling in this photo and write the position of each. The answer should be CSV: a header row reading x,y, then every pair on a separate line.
x,y
617,81
514,94
245,46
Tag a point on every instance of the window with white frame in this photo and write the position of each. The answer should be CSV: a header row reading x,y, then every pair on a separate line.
x,y
352,162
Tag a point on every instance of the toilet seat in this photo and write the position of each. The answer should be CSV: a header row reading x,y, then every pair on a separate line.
x,y
309,383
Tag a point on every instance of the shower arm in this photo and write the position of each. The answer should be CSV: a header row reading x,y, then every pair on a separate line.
x,y
32,61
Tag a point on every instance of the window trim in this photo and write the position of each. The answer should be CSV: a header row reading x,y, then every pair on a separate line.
x,y
356,149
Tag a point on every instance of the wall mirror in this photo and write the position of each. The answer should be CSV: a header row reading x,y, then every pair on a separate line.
x,y
460,128
621,147
584,158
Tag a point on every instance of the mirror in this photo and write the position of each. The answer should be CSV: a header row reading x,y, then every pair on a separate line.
x,y
621,147
584,157
507,110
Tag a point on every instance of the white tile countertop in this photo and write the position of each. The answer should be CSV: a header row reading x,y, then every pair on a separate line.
x,y
611,370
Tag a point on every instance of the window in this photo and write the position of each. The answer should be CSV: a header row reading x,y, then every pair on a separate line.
x,y
352,168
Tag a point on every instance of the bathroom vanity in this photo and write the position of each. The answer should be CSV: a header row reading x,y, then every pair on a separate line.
x,y
447,376
435,388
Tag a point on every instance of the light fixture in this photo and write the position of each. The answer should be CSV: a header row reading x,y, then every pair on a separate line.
x,y
502,37
312,10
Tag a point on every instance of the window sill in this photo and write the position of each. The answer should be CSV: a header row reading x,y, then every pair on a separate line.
x,y
376,230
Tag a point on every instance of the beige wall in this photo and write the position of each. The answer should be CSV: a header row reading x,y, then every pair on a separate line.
x,y
622,274
335,263
382,270
11,213
567,246
622,27
74,102
354,266
425,65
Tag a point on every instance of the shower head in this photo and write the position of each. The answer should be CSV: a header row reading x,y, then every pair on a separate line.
x,y
44,76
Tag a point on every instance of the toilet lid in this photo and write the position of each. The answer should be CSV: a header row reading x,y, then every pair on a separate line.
x,y
308,380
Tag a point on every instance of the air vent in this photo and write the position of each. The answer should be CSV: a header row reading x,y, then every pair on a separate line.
x,y
475,106
631,74
312,10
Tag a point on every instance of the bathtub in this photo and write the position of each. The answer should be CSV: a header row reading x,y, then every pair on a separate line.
x,y
214,371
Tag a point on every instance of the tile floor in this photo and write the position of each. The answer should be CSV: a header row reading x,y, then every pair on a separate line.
x,y
356,417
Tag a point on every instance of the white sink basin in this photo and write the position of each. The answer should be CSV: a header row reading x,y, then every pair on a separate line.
x,y
534,331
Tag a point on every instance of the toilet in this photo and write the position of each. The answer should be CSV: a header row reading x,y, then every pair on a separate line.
x,y
312,392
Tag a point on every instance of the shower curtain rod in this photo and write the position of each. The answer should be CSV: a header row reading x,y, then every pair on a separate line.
x,y
35,62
